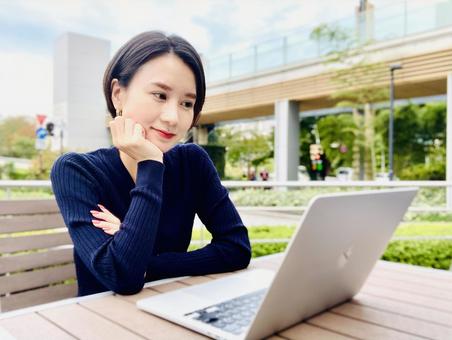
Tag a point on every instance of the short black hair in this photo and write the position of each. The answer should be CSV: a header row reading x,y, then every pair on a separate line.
x,y
144,47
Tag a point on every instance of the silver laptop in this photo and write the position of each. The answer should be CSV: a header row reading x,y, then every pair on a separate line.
x,y
337,243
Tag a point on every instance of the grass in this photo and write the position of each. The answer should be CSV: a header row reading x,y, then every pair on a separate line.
x,y
405,229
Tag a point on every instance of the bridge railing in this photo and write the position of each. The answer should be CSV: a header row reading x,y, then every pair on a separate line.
x,y
395,20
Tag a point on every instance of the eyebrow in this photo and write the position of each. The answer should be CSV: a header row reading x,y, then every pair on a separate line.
x,y
168,88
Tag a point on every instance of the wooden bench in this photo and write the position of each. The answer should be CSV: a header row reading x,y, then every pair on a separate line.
x,y
36,254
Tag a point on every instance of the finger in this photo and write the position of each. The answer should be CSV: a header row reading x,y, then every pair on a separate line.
x,y
103,224
106,217
105,210
138,131
110,231
128,127
113,131
119,125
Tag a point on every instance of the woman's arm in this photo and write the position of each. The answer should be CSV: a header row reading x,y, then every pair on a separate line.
x,y
229,249
119,262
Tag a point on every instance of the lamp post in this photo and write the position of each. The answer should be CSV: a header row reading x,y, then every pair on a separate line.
x,y
392,68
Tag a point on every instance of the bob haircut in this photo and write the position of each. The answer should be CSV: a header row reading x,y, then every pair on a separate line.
x,y
144,47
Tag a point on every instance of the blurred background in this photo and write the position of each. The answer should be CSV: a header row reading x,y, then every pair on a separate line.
x,y
316,96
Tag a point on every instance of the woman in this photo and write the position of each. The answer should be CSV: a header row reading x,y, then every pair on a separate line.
x,y
144,191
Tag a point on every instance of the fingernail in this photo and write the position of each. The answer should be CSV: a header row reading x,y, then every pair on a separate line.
x,y
100,205
95,222
93,211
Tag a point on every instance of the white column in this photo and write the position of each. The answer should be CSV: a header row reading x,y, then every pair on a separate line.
x,y
287,132
200,135
449,141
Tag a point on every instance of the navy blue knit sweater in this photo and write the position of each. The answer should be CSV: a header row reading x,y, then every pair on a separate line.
x,y
156,216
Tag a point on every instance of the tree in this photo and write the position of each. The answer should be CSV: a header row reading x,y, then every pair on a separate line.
x,y
42,164
17,137
419,140
355,78
245,148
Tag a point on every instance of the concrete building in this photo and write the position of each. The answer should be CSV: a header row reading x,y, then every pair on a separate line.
x,y
79,107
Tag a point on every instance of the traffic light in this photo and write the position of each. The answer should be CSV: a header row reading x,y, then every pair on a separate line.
x,y
49,127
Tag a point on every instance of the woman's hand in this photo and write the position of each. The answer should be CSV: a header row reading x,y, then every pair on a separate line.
x,y
108,222
130,137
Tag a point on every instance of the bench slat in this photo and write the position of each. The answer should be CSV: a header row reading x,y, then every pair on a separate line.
x,y
25,207
12,244
36,278
35,260
13,224
37,296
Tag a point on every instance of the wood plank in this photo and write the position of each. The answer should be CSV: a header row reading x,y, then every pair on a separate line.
x,y
24,207
394,321
36,328
135,297
15,263
85,324
167,287
413,298
130,317
14,223
37,297
219,275
417,271
355,328
304,331
404,308
411,287
36,278
422,281
13,244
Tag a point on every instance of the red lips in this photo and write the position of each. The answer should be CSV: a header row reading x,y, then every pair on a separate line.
x,y
164,134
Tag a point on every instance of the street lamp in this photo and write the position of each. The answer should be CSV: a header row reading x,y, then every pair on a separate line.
x,y
392,68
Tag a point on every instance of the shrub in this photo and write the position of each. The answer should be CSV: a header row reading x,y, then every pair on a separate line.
x,y
431,253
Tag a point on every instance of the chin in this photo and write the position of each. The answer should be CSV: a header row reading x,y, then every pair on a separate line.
x,y
164,147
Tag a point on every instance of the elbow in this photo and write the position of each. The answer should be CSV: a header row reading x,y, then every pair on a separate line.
x,y
244,259
129,289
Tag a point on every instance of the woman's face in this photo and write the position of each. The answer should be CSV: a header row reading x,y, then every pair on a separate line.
x,y
161,97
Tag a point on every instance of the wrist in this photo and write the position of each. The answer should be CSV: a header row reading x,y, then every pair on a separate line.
x,y
153,158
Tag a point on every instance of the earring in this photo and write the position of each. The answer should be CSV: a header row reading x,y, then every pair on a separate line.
x,y
119,113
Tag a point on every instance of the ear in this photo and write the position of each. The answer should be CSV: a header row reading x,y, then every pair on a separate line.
x,y
117,94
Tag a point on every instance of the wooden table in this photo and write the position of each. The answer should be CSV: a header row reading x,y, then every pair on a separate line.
x,y
397,302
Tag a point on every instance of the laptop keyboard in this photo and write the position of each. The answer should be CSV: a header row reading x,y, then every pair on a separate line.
x,y
233,315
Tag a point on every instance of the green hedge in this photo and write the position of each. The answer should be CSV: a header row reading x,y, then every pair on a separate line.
x,y
431,253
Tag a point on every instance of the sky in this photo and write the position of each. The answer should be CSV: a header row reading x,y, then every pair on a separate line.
x,y
28,30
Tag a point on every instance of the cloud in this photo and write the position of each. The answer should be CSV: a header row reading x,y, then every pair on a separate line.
x,y
28,30
26,84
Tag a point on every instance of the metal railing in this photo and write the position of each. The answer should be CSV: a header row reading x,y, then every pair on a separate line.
x,y
396,20
7,185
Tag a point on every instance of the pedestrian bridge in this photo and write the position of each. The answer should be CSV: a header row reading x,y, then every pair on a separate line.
x,y
288,79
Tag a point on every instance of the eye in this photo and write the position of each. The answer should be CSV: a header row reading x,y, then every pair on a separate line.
x,y
159,95
187,104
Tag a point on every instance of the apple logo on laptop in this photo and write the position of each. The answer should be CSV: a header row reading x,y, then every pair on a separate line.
x,y
345,256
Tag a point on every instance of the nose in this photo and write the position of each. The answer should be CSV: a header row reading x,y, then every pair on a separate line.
x,y
169,114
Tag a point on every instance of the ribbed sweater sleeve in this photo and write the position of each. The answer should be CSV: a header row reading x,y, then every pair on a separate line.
x,y
230,247
119,262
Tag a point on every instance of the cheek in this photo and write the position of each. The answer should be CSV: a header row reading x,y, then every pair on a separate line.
x,y
143,110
